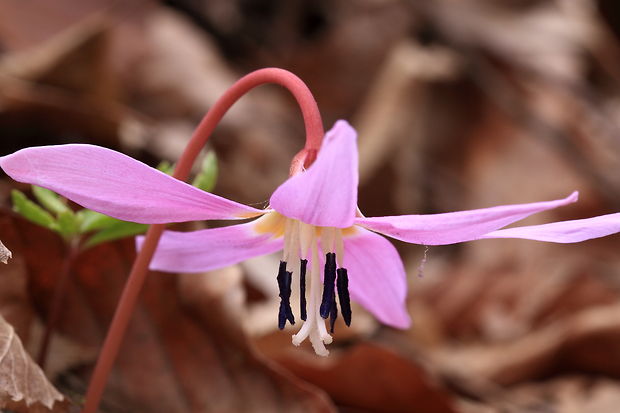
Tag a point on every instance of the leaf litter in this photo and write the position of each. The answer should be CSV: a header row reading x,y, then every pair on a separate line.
x,y
456,108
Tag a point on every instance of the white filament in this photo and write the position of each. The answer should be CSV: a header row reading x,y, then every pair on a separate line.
x,y
339,248
306,235
314,327
327,239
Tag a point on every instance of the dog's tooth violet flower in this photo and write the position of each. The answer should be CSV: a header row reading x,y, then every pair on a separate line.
x,y
313,218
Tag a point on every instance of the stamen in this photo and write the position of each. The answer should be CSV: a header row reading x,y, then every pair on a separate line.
x,y
313,327
282,316
289,310
302,289
306,237
318,344
294,243
315,283
286,250
333,314
342,284
325,337
284,284
329,279
303,332
328,235
339,248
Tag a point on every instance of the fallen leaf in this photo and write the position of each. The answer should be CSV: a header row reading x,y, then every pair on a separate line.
x,y
5,254
372,378
15,305
23,384
583,342
184,349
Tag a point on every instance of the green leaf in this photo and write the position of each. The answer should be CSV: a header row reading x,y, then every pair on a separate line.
x,y
68,225
121,229
50,200
31,211
166,167
207,177
92,221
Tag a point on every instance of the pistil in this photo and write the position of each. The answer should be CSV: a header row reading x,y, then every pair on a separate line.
x,y
301,242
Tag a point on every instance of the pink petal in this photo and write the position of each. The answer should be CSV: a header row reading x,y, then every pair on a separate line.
x,y
453,227
325,194
117,185
377,278
210,249
565,231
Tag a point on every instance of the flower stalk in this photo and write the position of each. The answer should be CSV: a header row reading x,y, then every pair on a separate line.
x,y
137,276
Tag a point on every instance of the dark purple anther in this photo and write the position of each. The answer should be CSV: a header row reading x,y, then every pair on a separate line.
x,y
329,279
342,284
284,285
333,314
302,289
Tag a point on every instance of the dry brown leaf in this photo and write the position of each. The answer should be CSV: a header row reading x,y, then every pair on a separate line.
x,y
372,378
546,38
22,383
15,305
5,253
395,102
26,25
567,394
184,349
584,342
260,134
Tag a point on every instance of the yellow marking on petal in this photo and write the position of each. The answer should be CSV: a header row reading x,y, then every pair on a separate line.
x,y
273,223
349,231
246,215
346,232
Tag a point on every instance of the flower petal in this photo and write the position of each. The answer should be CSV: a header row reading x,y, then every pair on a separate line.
x,y
115,184
210,249
325,194
453,227
564,231
377,278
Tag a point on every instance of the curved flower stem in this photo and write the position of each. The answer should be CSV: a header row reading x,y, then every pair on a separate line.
x,y
129,297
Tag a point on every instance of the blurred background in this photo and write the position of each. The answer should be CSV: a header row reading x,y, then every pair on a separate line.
x,y
458,104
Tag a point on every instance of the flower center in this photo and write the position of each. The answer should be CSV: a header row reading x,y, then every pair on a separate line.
x,y
301,244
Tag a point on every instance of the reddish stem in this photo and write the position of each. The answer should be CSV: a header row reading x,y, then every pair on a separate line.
x,y
129,297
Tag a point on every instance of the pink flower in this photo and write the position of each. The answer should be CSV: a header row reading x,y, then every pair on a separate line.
x,y
313,218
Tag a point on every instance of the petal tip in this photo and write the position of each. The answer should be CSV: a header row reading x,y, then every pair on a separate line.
x,y
341,123
574,197
342,127
15,165
403,323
